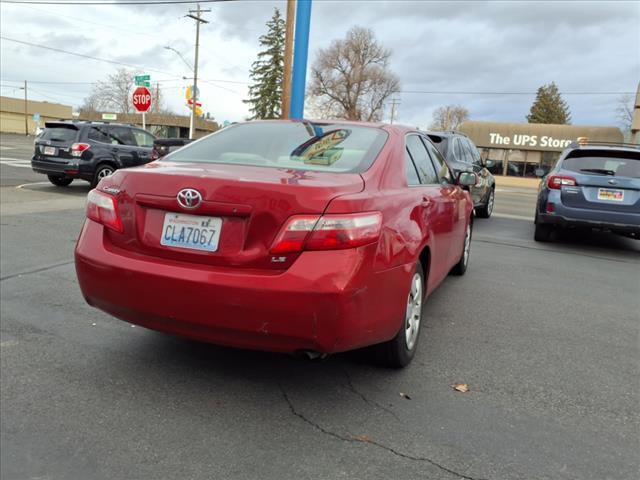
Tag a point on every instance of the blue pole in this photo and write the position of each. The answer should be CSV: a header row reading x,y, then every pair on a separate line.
x,y
300,54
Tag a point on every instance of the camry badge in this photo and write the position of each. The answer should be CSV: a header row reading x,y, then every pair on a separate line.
x,y
189,198
612,182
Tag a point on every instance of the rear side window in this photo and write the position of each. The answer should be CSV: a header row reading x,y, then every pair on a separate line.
x,y
444,175
60,134
121,136
610,163
98,134
410,170
459,152
325,147
473,151
421,160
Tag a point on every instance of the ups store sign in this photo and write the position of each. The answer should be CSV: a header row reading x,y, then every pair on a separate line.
x,y
535,136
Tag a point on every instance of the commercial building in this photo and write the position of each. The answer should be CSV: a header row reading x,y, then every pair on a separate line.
x,y
160,124
635,122
518,149
18,116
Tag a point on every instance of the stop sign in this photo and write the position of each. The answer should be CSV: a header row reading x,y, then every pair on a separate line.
x,y
142,99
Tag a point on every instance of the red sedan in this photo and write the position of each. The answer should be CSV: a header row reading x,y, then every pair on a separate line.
x,y
290,236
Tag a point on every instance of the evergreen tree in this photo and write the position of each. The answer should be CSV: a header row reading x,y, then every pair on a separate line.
x,y
549,107
267,72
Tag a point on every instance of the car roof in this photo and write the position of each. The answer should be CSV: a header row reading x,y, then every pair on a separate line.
x,y
80,123
445,134
606,146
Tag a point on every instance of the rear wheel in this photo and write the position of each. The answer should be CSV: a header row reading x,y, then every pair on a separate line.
x,y
60,180
487,209
399,351
461,267
103,171
542,232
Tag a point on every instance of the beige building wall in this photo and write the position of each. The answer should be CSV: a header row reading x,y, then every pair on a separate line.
x,y
12,114
635,122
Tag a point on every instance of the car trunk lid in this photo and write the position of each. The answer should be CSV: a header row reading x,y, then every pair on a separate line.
x,y
250,203
606,180
54,144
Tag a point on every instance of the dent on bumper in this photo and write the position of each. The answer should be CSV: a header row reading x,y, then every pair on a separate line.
x,y
326,301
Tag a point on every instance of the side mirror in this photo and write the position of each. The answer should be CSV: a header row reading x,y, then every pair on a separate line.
x,y
489,163
539,172
468,179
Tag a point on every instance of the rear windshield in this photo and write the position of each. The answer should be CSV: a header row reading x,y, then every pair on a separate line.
x,y
294,145
615,164
59,134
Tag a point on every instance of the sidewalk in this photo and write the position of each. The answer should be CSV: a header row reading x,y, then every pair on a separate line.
x,y
519,182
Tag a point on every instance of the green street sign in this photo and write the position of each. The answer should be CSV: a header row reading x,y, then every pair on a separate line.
x,y
143,80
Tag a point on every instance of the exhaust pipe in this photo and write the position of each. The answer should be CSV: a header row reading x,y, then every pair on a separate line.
x,y
311,355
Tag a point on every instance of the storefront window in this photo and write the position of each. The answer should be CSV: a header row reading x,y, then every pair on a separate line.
x,y
516,163
497,156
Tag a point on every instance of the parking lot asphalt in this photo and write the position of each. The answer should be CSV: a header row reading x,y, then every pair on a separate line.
x,y
545,335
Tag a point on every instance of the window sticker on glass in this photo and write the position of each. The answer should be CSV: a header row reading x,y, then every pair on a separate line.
x,y
322,150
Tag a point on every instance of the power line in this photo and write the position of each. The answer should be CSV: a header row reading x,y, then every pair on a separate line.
x,y
113,62
436,92
101,3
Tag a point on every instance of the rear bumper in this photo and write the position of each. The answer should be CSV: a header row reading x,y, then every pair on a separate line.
x,y
325,302
568,217
68,169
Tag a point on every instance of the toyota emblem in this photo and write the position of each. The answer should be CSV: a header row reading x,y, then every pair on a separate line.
x,y
189,198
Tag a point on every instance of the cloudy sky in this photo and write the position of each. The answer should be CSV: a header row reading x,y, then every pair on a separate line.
x,y
495,51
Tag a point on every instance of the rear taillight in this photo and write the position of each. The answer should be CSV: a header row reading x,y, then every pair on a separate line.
x,y
327,232
103,208
78,148
558,181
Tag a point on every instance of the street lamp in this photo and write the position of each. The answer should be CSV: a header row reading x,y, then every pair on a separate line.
x,y
193,94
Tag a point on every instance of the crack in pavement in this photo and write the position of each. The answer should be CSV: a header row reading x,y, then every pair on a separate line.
x,y
373,403
365,440
36,270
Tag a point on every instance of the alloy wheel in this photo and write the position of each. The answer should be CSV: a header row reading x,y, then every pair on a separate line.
x,y
414,312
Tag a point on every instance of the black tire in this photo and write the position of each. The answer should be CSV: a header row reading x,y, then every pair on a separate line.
x,y
542,232
60,180
487,209
399,351
461,267
102,171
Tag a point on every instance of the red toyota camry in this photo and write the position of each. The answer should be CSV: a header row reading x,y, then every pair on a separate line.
x,y
290,236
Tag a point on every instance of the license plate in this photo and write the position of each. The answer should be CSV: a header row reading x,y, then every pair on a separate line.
x,y
49,151
611,194
191,231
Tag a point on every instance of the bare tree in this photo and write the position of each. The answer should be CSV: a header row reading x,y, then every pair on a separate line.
x,y
114,95
624,111
351,78
449,117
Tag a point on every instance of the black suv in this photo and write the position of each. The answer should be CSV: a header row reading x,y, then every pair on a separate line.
x,y
462,155
66,150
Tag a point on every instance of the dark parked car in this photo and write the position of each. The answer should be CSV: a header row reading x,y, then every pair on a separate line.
x,y
591,186
290,236
90,151
164,146
462,155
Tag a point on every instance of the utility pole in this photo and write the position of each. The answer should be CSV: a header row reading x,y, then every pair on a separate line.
x,y
156,103
300,54
288,59
26,113
394,103
195,14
